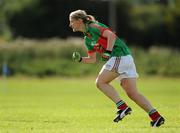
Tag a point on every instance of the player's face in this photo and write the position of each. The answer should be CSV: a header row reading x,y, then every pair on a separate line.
x,y
76,25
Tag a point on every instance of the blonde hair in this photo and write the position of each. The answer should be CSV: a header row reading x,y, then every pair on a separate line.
x,y
81,14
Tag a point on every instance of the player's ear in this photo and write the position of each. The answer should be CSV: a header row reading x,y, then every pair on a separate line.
x,y
80,20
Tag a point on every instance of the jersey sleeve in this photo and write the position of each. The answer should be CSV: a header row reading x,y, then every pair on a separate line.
x,y
89,47
98,30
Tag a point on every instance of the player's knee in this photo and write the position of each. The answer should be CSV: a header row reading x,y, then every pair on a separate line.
x,y
98,83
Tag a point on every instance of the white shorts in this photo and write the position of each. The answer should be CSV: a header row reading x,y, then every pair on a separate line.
x,y
123,65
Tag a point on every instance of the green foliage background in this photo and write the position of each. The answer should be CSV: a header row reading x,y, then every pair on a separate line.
x,y
150,28
140,22
53,57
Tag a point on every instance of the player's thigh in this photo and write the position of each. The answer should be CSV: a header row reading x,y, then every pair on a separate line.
x,y
106,76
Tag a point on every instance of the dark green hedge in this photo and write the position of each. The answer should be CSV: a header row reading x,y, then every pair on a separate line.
x,y
53,57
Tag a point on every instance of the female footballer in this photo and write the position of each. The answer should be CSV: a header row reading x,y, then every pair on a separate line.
x,y
119,64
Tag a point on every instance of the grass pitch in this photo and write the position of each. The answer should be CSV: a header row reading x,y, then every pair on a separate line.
x,y
69,105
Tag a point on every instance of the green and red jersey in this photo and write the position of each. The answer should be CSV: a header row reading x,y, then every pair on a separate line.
x,y
95,42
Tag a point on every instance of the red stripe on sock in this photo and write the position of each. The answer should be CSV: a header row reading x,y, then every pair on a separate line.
x,y
123,106
154,116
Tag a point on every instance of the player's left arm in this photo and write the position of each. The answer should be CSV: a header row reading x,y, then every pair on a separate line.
x,y
111,38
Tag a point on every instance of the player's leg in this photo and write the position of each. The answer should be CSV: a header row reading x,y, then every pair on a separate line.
x,y
102,82
129,85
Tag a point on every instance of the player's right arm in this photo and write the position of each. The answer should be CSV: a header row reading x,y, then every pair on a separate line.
x,y
91,58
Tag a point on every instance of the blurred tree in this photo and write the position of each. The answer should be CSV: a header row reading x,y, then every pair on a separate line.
x,y
142,22
172,21
8,8
147,24
44,18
